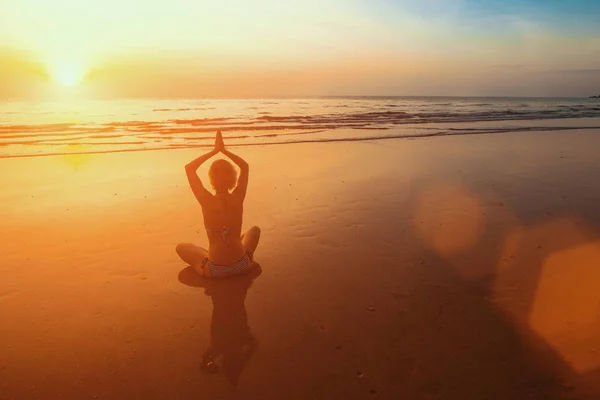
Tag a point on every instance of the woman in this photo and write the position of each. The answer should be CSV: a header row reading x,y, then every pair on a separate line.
x,y
229,252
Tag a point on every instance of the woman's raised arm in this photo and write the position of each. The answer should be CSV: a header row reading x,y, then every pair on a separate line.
x,y
242,183
195,182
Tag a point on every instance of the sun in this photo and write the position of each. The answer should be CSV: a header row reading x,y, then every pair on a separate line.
x,y
68,73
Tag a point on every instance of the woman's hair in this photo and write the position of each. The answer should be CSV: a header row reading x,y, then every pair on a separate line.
x,y
222,174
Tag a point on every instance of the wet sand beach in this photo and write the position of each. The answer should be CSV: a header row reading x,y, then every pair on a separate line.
x,y
460,267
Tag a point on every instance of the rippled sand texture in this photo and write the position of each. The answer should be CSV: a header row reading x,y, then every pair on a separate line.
x,y
461,267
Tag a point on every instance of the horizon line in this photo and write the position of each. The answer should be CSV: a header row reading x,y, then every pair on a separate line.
x,y
298,97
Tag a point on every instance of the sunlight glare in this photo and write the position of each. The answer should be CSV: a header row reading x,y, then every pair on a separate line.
x,y
68,73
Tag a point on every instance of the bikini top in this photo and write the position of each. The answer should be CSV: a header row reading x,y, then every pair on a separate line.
x,y
224,231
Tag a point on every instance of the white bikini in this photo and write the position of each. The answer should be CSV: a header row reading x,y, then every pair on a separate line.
x,y
224,271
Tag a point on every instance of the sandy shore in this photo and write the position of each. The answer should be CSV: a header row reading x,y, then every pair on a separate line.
x,y
443,268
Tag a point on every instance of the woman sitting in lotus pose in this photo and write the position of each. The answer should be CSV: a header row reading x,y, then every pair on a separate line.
x,y
229,252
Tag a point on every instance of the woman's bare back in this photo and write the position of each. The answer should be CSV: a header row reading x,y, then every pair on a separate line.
x,y
223,223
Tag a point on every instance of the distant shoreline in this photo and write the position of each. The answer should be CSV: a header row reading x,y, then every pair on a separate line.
x,y
295,97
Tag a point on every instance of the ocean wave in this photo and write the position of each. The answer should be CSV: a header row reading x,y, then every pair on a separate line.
x,y
183,109
271,122
162,145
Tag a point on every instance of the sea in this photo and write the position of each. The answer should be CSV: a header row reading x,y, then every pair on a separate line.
x,y
51,128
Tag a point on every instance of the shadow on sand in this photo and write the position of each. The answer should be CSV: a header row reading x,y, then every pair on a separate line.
x,y
232,343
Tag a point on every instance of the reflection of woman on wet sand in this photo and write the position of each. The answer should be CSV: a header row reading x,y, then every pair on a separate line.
x,y
231,341
229,252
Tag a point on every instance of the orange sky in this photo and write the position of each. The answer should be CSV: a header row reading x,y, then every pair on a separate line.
x,y
184,48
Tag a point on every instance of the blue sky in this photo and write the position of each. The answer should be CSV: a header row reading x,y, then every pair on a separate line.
x,y
553,12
